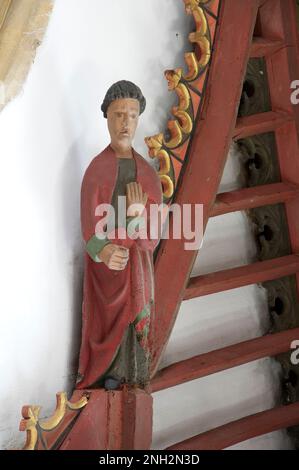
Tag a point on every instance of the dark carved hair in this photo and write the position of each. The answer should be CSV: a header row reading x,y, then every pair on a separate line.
x,y
123,89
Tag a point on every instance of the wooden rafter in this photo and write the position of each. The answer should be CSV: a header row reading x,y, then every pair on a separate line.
x,y
256,196
206,159
242,429
282,69
262,47
276,21
224,358
260,123
255,273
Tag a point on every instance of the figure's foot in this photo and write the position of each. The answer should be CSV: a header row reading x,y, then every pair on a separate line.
x,y
111,383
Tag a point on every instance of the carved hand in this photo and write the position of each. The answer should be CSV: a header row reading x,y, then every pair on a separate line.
x,y
114,256
136,199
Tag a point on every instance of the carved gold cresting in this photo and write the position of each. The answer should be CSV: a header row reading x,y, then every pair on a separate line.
x,y
180,128
31,422
28,424
197,37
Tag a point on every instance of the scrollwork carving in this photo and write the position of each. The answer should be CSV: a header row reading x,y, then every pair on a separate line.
x,y
271,231
255,96
36,428
260,159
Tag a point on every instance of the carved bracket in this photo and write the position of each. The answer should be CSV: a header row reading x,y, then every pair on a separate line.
x,y
43,434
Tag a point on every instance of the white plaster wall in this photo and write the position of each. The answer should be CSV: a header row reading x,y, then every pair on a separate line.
x,y
48,135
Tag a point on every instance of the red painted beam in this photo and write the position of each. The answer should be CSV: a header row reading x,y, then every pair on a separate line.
x,y
202,175
242,429
112,420
282,70
224,358
257,196
262,47
241,276
260,123
137,420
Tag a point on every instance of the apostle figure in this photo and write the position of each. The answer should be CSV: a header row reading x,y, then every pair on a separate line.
x,y
118,297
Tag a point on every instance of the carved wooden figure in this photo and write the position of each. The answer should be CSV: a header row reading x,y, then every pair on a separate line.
x,y
118,299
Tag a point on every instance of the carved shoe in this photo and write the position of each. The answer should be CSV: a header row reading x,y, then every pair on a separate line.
x,y
111,383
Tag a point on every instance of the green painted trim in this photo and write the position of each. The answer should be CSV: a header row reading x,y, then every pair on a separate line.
x,y
145,312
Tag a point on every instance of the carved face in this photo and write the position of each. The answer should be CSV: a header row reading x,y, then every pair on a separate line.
x,y
122,116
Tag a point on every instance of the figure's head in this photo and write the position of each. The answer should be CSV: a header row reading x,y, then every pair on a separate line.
x,y
123,104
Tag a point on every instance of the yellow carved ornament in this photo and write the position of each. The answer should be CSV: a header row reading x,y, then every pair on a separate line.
x,y
190,5
154,144
167,186
31,417
164,162
200,21
184,97
62,404
193,67
28,424
204,45
183,124
173,77
198,37
185,121
176,134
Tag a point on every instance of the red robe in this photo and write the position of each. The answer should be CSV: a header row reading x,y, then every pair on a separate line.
x,y
112,299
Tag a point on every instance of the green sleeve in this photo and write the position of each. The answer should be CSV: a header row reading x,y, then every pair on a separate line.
x,y
94,246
